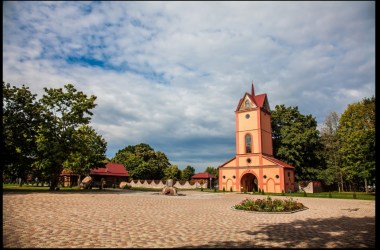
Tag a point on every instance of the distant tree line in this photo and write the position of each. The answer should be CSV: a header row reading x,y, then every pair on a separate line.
x,y
42,137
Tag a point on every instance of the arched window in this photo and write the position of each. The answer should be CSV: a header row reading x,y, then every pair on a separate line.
x,y
248,143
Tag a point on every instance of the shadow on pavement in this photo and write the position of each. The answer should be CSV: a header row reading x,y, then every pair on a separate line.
x,y
341,232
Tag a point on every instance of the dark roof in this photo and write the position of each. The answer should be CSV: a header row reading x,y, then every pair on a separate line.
x,y
203,175
110,169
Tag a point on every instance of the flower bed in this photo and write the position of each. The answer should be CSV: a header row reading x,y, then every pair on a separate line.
x,y
269,205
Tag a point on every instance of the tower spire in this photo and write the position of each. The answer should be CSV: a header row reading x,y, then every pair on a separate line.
x,y
253,90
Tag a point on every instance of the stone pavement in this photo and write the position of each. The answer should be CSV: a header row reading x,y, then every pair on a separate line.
x,y
136,219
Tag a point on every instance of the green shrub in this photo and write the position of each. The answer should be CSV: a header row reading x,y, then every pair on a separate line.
x,y
354,195
330,196
269,205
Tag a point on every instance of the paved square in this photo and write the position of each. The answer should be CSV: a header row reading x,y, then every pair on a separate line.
x,y
135,219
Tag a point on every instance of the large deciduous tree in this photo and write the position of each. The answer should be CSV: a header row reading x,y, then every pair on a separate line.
x,y
64,113
187,173
296,141
357,141
333,173
142,162
21,118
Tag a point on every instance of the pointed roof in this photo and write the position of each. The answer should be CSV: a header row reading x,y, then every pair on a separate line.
x,y
258,100
111,169
203,175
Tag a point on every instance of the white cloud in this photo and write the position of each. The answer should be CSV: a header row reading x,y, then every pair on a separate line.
x,y
171,73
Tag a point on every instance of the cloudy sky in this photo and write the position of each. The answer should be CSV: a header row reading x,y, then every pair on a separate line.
x,y
171,74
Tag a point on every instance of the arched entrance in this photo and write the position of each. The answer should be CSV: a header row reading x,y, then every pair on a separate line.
x,y
248,182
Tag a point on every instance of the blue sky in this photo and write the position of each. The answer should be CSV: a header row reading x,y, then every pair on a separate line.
x,y
170,74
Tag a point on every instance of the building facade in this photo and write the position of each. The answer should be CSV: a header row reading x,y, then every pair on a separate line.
x,y
254,166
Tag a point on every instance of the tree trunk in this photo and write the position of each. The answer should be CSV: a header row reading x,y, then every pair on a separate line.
x,y
54,182
366,185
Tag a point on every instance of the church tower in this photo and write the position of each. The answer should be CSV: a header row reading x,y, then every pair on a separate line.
x,y
254,166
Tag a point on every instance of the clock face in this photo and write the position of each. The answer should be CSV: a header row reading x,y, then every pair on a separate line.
x,y
247,116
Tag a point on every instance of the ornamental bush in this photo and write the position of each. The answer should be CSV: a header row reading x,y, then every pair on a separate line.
x,y
269,205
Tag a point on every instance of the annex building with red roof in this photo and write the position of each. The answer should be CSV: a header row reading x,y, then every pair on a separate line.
x,y
111,173
254,166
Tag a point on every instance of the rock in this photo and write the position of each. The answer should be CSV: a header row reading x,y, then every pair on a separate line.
x,y
169,191
125,184
86,182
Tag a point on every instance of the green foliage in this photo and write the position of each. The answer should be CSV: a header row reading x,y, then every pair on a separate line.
x,y
142,162
330,196
21,119
212,170
269,205
65,112
354,195
304,194
187,173
172,172
296,141
44,136
357,141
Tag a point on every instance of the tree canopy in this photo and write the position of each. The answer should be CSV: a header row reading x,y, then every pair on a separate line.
x,y
357,141
296,141
142,162
187,173
52,133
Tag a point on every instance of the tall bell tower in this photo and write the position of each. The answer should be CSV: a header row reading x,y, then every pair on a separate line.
x,y
254,167
253,125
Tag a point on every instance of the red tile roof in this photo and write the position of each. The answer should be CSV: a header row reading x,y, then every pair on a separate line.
x,y
278,162
258,100
203,175
110,169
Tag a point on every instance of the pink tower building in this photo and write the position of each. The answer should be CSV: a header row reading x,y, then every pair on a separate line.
x,y
254,166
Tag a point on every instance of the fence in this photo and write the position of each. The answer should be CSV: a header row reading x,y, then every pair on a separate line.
x,y
161,184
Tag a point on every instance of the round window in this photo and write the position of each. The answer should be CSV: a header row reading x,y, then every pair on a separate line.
x,y
247,116
249,160
277,176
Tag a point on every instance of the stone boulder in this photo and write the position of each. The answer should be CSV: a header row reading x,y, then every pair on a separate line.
x,y
125,185
169,191
86,182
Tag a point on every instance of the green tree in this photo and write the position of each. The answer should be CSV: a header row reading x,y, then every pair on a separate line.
x,y
87,152
296,141
21,118
187,173
142,162
64,111
357,142
172,172
212,170
330,140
